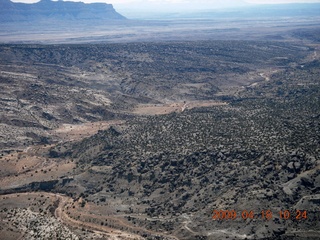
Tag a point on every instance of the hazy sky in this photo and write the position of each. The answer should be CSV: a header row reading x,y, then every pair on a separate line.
x,y
279,1
211,2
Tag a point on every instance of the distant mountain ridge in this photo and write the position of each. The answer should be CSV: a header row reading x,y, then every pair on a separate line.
x,y
59,10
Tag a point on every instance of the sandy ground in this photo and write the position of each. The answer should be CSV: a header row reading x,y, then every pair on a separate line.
x,y
159,109
71,132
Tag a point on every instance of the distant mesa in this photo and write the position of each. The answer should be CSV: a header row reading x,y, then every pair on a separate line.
x,y
56,10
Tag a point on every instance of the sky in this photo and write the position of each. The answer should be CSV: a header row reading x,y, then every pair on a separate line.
x,y
210,2
279,1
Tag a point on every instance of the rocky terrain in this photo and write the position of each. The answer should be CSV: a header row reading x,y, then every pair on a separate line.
x,y
43,87
256,153
160,140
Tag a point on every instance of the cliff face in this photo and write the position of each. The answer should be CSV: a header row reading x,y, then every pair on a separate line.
x,y
59,10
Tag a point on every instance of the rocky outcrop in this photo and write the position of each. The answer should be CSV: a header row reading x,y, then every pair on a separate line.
x,y
38,186
56,10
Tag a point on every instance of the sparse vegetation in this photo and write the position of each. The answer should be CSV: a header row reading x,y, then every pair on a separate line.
x,y
159,176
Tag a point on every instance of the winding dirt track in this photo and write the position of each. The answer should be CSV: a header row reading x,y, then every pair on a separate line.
x,y
105,231
102,230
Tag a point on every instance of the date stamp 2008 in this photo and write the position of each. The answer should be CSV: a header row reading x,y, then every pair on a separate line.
x,y
263,214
